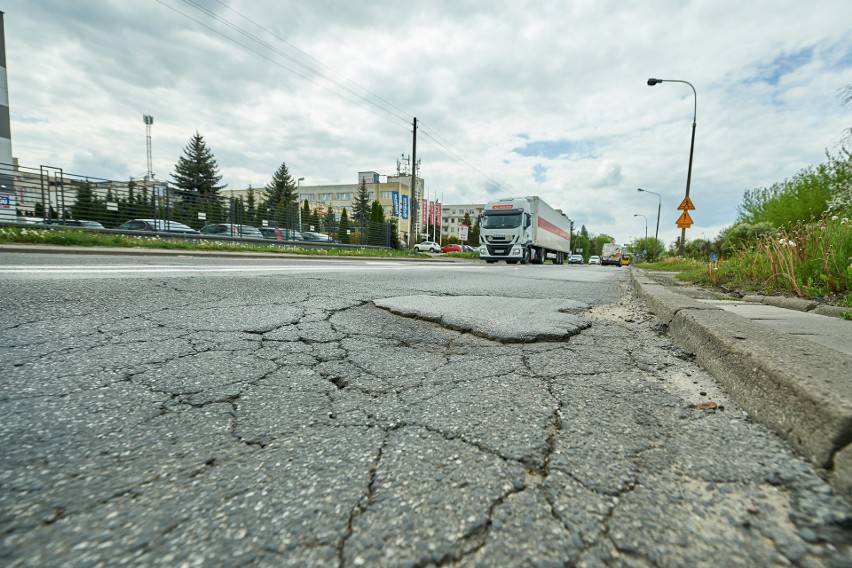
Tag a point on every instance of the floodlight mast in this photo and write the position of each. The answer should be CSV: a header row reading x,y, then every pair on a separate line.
x,y
148,120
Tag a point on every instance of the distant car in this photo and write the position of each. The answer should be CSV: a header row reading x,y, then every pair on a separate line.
x,y
157,226
280,234
452,248
232,230
316,237
427,246
272,233
76,223
468,248
575,259
594,259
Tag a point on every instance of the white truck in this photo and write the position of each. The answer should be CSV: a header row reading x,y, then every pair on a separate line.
x,y
523,229
611,254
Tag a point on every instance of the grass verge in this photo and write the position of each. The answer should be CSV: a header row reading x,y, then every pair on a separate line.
x,y
73,237
807,260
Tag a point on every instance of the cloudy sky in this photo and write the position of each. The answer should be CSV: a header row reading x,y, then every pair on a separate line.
x,y
512,97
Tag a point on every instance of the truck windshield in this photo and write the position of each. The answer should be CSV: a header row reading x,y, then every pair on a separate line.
x,y
492,221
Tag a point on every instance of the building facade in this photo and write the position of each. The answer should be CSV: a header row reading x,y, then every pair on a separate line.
x,y
340,196
453,215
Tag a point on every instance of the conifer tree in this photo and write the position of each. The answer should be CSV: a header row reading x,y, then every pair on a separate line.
x,y
281,196
377,224
343,228
197,178
251,206
361,205
306,215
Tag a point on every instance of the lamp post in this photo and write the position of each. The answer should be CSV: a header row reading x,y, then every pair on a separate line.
x,y
646,223
299,201
651,83
659,203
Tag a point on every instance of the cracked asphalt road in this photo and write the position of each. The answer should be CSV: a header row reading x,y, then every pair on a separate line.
x,y
361,414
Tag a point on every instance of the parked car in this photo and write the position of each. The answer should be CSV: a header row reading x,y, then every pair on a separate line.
x,y
157,226
427,246
468,248
316,237
232,230
575,259
280,234
75,223
594,259
452,248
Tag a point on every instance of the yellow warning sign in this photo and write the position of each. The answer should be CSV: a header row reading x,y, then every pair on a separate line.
x,y
686,205
685,221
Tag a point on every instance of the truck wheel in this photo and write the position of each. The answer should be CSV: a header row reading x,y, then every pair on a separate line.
x,y
526,258
490,260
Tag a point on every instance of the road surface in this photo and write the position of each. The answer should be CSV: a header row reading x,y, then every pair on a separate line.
x,y
219,411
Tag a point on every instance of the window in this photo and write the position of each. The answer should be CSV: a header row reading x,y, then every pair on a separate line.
x,y
344,196
325,196
386,195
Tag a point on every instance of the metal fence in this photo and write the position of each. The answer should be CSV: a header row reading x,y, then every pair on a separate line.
x,y
53,196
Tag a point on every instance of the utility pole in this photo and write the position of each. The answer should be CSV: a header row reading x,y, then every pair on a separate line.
x,y
415,233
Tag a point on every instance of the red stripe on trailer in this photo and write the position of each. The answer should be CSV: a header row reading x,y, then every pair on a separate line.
x,y
551,228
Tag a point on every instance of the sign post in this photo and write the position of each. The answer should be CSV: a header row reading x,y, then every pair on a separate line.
x,y
685,221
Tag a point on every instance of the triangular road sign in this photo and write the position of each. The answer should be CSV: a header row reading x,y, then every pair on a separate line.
x,y
686,205
685,221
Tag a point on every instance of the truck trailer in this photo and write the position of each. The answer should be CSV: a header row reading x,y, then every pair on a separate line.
x,y
523,229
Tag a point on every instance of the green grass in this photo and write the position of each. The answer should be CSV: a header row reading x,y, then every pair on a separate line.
x,y
808,260
72,237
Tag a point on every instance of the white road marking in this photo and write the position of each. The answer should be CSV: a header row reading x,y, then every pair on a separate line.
x,y
166,268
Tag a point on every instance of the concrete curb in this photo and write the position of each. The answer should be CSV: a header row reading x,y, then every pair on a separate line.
x,y
798,304
799,389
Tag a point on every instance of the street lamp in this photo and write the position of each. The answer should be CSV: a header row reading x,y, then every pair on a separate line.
x,y
299,201
657,232
646,223
651,83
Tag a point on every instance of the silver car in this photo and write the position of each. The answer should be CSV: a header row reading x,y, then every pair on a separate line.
x,y
427,246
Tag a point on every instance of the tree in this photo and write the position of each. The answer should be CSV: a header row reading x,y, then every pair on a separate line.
x,y
197,178
597,243
581,243
343,228
251,207
314,220
282,198
306,215
473,234
846,98
85,202
329,222
361,205
645,247
376,235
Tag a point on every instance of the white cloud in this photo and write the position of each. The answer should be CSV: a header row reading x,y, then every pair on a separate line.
x,y
564,80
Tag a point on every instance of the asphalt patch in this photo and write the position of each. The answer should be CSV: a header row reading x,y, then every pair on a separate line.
x,y
507,320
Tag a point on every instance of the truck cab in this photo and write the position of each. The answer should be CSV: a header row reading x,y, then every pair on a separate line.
x,y
503,231
523,229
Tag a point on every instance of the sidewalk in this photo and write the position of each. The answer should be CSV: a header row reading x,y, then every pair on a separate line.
x,y
791,369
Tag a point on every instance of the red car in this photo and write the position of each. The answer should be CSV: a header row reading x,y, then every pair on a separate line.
x,y
452,248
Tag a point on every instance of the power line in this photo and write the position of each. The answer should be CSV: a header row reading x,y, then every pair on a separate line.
x,y
273,61
315,73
